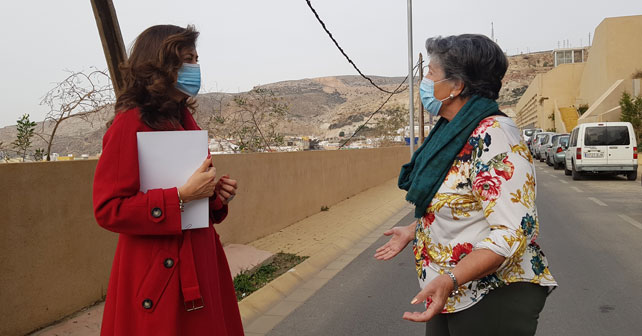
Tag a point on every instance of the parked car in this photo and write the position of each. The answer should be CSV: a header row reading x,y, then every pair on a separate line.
x,y
602,147
527,134
555,154
540,138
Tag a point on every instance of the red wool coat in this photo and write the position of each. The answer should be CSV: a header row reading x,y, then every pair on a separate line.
x,y
159,271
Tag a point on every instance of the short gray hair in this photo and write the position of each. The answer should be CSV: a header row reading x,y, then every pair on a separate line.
x,y
474,59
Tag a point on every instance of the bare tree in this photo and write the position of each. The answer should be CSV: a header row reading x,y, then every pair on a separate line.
x,y
253,120
80,95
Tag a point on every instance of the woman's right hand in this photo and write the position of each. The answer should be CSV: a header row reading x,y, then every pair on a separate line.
x,y
201,184
401,236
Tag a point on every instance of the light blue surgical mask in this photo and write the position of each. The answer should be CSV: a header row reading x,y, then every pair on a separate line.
x,y
189,79
427,94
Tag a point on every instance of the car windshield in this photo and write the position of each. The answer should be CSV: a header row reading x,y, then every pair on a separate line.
x,y
529,132
563,141
543,139
606,136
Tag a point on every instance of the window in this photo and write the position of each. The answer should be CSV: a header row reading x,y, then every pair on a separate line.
x,y
574,137
606,136
543,139
569,56
563,141
595,136
618,135
577,57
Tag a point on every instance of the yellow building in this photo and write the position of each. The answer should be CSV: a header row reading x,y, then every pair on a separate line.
x,y
609,70
546,94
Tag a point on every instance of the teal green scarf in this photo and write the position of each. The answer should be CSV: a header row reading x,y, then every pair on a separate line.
x,y
429,165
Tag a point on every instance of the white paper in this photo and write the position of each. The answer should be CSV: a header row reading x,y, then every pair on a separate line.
x,y
167,160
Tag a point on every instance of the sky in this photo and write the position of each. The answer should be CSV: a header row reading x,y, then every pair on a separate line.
x,y
244,43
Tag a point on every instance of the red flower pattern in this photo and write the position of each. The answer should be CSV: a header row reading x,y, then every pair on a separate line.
x,y
467,150
460,251
487,186
483,126
425,255
507,172
429,218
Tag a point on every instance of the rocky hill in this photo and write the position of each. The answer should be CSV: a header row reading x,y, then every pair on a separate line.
x,y
319,107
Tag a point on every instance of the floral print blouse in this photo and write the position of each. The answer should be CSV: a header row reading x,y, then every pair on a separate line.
x,y
487,201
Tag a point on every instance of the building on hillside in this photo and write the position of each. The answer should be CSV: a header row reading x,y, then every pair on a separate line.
x,y
594,87
69,157
570,55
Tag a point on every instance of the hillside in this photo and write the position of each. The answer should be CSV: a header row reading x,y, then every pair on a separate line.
x,y
318,107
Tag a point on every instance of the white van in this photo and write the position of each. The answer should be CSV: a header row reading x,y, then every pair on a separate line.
x,y
602,147
528,133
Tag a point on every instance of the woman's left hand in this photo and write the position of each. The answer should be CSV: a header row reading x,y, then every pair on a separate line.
x,y
436,292
226,188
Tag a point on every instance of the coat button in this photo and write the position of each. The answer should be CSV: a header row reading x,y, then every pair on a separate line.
x,y
147,304
169,263
157,212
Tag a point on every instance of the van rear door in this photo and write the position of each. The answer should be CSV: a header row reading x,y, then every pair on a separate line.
x,y
620,149
595,148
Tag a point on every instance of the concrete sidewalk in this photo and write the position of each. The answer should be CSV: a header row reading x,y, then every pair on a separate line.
x,y
330,238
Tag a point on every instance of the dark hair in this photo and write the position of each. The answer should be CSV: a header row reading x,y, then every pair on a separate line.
x,y
474,59
151,71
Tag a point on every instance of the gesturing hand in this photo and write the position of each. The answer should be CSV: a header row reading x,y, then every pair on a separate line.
x,y
201,184
436,293
401,236
226,188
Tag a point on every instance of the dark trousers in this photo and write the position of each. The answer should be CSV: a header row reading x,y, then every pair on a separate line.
x,y
509,310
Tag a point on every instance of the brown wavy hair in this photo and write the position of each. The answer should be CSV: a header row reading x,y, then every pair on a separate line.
x,y
150,73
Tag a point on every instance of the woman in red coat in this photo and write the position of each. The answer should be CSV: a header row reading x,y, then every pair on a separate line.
x,y
164,281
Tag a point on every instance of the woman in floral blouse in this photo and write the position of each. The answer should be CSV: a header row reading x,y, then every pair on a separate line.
x,y
473,186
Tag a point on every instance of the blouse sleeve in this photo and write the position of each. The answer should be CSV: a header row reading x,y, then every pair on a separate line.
x,y
119,205
503,179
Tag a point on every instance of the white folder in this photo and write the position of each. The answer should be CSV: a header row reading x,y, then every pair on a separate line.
x,y
168,159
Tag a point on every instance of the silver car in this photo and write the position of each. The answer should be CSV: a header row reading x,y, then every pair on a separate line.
x,y
555,152
538,148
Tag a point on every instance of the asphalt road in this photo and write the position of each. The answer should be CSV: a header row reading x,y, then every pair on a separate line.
x,y
590,230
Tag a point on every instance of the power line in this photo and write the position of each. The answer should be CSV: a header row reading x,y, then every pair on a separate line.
x,y
344,53
379,109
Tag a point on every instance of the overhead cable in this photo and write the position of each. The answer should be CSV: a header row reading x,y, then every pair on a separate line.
x,y
344,53
379,109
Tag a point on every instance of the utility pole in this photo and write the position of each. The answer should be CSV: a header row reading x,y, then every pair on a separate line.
x,y
492,31
410,81
112,40
421,108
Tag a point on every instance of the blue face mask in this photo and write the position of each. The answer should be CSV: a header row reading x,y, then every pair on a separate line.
x,y
189,79
427,94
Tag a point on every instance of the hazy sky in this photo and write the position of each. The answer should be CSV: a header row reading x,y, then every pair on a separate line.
x,y
244,43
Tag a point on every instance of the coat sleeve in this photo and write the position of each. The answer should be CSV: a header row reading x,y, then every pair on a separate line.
x,y
119,205
218,210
